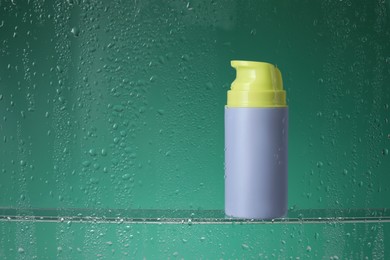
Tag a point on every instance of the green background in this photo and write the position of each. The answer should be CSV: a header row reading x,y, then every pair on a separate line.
x,y
119,104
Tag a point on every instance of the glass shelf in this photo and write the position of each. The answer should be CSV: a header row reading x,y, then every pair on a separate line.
x,y
158,216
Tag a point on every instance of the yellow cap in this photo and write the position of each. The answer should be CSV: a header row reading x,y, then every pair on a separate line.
x,y
257,84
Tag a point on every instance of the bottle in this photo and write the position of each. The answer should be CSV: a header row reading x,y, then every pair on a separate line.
x,y
256,132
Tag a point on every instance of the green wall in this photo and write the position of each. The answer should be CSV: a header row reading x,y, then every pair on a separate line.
x,y
119,104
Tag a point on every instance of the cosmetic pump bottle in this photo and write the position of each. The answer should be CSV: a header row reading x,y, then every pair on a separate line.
x,y
256,137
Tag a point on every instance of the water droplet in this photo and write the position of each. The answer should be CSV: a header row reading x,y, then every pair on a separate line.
x,y
185,57
189,7
86,163
308,248
320,164
20,250
92,152
126,176
118,108
94,180
245,246
160,112
75,31
385,151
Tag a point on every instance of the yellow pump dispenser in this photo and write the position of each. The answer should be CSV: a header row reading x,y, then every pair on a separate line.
x,y
257,84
